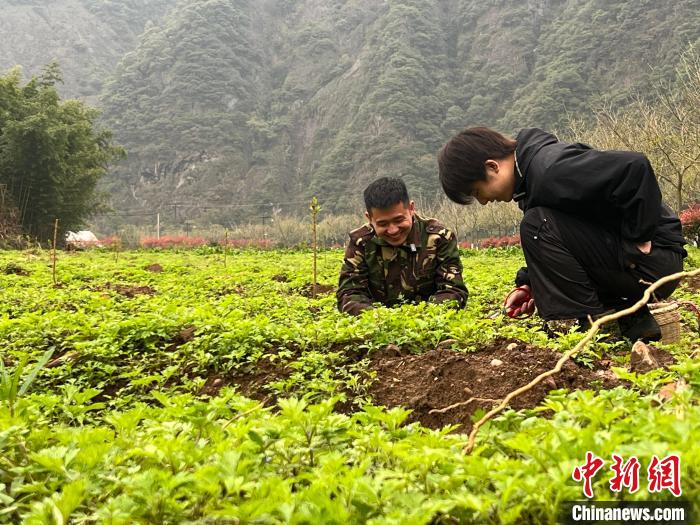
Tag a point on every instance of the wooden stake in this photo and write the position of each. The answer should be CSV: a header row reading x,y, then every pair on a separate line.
x,y
53,257
225,246
117,247
315,208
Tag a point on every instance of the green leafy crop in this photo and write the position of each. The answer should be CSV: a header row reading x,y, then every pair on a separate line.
x,y
206,394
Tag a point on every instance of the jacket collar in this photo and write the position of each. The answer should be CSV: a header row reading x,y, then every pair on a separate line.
x,y
520,191
529,142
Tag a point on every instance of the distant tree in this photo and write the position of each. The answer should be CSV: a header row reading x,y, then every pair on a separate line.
x,y
665,127
51,154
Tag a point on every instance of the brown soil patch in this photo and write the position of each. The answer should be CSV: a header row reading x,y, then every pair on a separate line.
x,y
440,378
183,336
228,290
321,289
692,283
155,268
280,278
126,290
14,269
250,381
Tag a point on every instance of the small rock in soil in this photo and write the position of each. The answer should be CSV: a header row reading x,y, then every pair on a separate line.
x,y
446,344
390,350
645,358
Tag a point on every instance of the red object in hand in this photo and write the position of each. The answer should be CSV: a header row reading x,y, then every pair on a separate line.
x,y
522,300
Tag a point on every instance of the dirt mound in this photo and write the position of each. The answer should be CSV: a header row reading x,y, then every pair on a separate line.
x,y
155,268
185,335
321,289
440,378
692,283
251,382
14,269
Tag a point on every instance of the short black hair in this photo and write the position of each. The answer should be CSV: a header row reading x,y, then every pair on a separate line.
x,y
385,192
461,162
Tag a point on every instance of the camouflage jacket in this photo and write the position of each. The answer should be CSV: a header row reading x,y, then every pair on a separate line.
x,y
425,267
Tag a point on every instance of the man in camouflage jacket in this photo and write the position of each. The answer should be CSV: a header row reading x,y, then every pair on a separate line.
x,y
398,256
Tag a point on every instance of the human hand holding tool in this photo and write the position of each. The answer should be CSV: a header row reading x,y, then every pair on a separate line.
x,y
519,303
644,247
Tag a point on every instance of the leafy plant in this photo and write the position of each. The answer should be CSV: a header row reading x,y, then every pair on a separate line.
x,y
10,387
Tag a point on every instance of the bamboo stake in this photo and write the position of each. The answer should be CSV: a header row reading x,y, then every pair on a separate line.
x,y
53,255
595,325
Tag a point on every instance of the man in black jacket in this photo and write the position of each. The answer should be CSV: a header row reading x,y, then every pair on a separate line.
x,y
594,231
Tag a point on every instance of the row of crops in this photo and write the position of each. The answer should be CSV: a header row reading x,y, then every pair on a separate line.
x,y
189,387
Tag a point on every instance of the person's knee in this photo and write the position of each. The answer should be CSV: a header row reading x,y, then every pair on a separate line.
x,y
665,291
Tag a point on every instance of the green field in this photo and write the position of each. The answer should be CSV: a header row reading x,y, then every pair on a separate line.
x,y
213,389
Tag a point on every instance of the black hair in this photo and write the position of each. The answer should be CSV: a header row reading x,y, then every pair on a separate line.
x,y
385,192
461,162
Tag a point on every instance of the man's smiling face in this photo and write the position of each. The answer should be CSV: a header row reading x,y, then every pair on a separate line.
x,y
393,224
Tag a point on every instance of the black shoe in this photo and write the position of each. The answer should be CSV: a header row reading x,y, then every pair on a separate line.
x,y
640,325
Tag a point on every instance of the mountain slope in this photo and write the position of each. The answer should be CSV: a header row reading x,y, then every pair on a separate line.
x,y
229,102
86,37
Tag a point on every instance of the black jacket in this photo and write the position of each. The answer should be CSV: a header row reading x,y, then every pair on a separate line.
x,y
617,189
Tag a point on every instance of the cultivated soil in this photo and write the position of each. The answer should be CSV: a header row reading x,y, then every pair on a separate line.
x,y
251,383
441,378
692,283
13,269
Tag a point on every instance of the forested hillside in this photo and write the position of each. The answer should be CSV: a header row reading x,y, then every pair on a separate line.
x,y
86,37
239,101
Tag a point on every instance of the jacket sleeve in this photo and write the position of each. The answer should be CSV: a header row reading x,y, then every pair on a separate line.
x,y
522,277
448,275
582,179
353,286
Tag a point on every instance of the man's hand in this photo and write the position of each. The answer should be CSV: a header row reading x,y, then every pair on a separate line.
x,y
644,247
519,302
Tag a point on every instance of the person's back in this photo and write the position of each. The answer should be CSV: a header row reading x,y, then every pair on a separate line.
x,y
398,256
594,229
616,189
